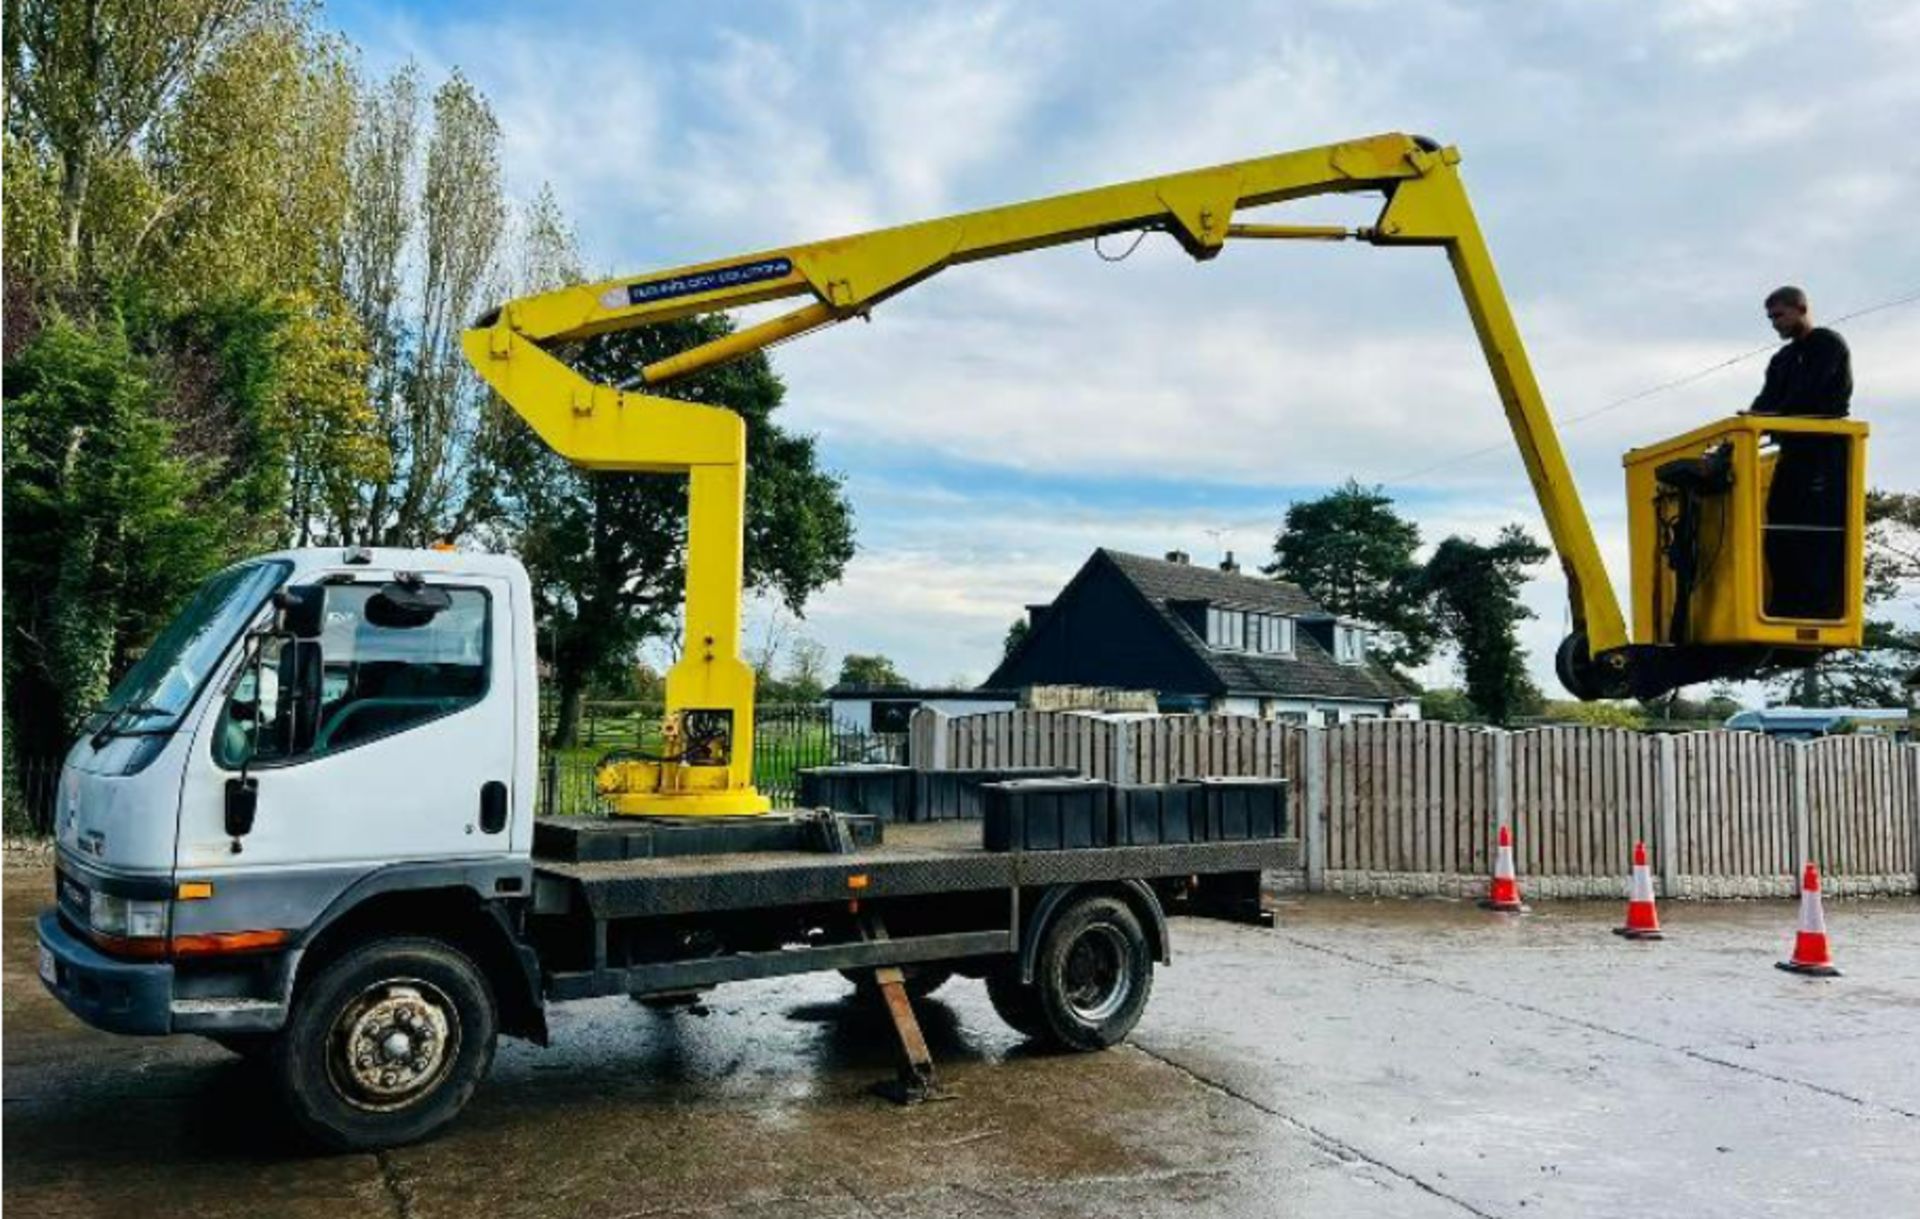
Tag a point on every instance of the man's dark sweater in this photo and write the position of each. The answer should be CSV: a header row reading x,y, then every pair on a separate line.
x,y
1812,375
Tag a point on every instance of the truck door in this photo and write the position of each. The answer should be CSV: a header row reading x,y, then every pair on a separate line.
x,y
374,744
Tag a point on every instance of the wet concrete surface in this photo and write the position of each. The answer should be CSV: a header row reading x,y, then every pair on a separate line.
x,y
1365,1058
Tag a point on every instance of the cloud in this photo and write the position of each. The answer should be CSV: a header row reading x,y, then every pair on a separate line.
x,y
1644,174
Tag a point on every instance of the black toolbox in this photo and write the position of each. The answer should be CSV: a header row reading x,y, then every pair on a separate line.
x,y
601,839
954,795
1055,814
1231,809
871,790
1152,814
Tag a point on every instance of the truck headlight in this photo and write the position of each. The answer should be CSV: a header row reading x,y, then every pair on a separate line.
x,y
146,920
126,918
106,913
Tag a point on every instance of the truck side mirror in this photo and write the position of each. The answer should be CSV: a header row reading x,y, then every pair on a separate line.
x,y
303,610
243,800
302,682
403,605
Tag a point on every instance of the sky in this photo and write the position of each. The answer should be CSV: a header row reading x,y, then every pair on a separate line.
x,y
1644,172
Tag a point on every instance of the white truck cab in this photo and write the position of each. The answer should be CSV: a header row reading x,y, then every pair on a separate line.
x,y
303,826
383,756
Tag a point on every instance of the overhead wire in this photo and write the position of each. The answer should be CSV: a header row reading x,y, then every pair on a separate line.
x,y
1650,391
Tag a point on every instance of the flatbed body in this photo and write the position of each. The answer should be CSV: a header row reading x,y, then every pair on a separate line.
x,y
961,900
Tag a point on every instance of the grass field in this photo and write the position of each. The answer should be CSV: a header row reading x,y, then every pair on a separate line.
x,y
785,741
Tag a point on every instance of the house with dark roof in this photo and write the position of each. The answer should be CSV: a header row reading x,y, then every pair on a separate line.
x,y
1206,639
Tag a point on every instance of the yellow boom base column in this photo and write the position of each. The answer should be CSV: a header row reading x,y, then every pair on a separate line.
x,y
705,765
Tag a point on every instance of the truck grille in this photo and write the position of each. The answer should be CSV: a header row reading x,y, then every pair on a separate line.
x,y
72,898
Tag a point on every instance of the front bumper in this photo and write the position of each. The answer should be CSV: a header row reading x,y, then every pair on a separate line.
x,y
140,997
118,996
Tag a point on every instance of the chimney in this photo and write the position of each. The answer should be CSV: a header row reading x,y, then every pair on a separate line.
x,y
1229,566
1178,556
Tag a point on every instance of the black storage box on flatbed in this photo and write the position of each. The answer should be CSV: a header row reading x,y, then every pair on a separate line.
x,y
1238,809
603,839
1059,814
866,789
954,795
1149,814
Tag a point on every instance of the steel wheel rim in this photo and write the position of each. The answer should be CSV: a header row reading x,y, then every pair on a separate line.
x,y
1096,977
394,1044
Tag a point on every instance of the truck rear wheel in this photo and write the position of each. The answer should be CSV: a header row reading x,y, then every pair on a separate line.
x,y
1017,1002
1093,974
386,1044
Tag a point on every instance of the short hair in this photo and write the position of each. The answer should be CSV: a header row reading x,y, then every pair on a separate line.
x,y
1790,296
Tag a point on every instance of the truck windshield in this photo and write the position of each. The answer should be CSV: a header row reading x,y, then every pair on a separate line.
x,y
162,684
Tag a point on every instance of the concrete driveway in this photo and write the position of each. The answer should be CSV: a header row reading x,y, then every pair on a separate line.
x,y
1368,1058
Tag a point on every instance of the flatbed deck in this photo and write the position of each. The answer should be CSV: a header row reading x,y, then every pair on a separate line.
x,y
913,860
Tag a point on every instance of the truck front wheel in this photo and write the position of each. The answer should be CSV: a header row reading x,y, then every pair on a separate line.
x,y
386,1044
1093,974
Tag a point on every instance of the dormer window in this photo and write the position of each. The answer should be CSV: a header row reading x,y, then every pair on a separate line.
x,y
1349,644
1230,630
1226,629
1275,635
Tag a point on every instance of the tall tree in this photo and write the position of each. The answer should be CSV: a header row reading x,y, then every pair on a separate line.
x,y
422,253
1016,635
1355,554
87,80
105,532
1474,592
606,551
805,679
870,672
802,679
177,353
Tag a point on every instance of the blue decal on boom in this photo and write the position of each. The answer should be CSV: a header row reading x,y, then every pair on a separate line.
x,y
712,280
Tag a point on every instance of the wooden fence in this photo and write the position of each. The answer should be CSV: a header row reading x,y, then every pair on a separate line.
x,y
1391,805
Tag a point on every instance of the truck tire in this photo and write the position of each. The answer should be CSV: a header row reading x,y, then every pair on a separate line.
x,y
1017,1002
921,980
1093,973
386,1044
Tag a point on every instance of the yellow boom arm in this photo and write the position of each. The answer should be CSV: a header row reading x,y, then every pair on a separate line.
x,y
602,428
606,428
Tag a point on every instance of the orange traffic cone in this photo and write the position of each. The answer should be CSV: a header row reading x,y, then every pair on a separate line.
x,y
1504,893
1643,921
1811,955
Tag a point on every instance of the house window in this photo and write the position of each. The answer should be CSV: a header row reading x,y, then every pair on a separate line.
x,y
1273,634
1226,629
1350,645
1241,631
894,715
